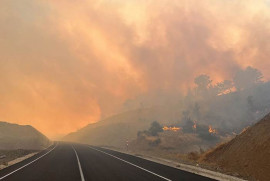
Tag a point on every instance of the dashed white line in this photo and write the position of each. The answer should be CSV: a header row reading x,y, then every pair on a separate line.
x,y
28,163
79,164
131,164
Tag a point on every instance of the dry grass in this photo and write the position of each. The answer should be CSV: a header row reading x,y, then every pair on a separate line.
x,y
204,156
193,156
13,154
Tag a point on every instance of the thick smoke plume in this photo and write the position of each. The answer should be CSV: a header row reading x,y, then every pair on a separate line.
x,y
64,64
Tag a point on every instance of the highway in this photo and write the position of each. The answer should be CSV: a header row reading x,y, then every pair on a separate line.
x,y
78,162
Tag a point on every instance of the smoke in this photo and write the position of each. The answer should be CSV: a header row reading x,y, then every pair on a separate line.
x,y
64,64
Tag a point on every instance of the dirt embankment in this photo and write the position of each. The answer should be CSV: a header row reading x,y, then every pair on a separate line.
x,y
7,156
24,137
247,154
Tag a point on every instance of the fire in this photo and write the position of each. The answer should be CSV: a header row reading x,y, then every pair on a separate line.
x,y
212,130
195,125
166,128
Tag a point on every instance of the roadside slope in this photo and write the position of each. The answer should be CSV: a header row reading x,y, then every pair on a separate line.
x,y
14,136
248,154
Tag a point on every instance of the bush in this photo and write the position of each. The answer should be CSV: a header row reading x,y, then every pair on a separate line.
x,y
193,156
155,128
141,135
203,132
155,142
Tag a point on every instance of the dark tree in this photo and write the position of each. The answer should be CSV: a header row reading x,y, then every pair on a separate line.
x,y
202,82
247,78
188,127
250,104
155,128
224,86
196,111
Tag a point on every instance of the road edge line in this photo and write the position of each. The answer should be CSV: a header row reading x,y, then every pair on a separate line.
x,y
130,163
79,164
28,163
184,167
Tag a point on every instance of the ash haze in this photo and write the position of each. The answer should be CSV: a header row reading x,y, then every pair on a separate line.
x,y
65,64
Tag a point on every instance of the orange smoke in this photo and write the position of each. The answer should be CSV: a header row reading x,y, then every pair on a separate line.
x,y
64,64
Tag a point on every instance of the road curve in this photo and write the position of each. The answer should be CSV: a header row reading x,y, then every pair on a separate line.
x,y
77,162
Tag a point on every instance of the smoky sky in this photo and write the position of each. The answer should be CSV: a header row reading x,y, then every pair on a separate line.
x,y
65,64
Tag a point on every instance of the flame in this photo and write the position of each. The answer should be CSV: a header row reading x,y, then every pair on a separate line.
x,y
212,130
166,128
195,125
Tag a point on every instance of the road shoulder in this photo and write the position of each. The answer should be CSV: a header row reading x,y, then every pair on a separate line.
x,y
185,167
17,160
22,158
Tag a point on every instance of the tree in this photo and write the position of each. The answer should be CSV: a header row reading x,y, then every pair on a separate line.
x,y
188,127
223,87
247,78
155,128
196,111
202,81
250,104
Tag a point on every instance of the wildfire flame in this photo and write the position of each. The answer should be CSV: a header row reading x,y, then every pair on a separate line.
x,y
166,128
195,125
212,130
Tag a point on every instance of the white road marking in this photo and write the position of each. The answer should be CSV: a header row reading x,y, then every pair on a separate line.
x,y
79,164
131,164
28,163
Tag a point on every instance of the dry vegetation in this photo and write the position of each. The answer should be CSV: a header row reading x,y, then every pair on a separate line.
x,y
247,155
9,155
116,130
180,145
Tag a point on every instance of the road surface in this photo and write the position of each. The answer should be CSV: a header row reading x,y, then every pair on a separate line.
x,y
78,162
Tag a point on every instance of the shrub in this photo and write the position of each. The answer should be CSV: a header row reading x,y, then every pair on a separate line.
x,y
155,128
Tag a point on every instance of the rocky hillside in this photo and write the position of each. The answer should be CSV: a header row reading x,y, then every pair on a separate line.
x,y
247,155
14,136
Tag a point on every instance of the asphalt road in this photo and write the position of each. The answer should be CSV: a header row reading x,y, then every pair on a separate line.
x,y
77,162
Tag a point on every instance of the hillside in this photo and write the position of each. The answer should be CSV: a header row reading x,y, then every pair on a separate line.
x,y
116,130
248,154
229,113
14,136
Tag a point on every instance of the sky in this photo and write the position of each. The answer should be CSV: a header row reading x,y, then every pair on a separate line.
x,y
65,64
